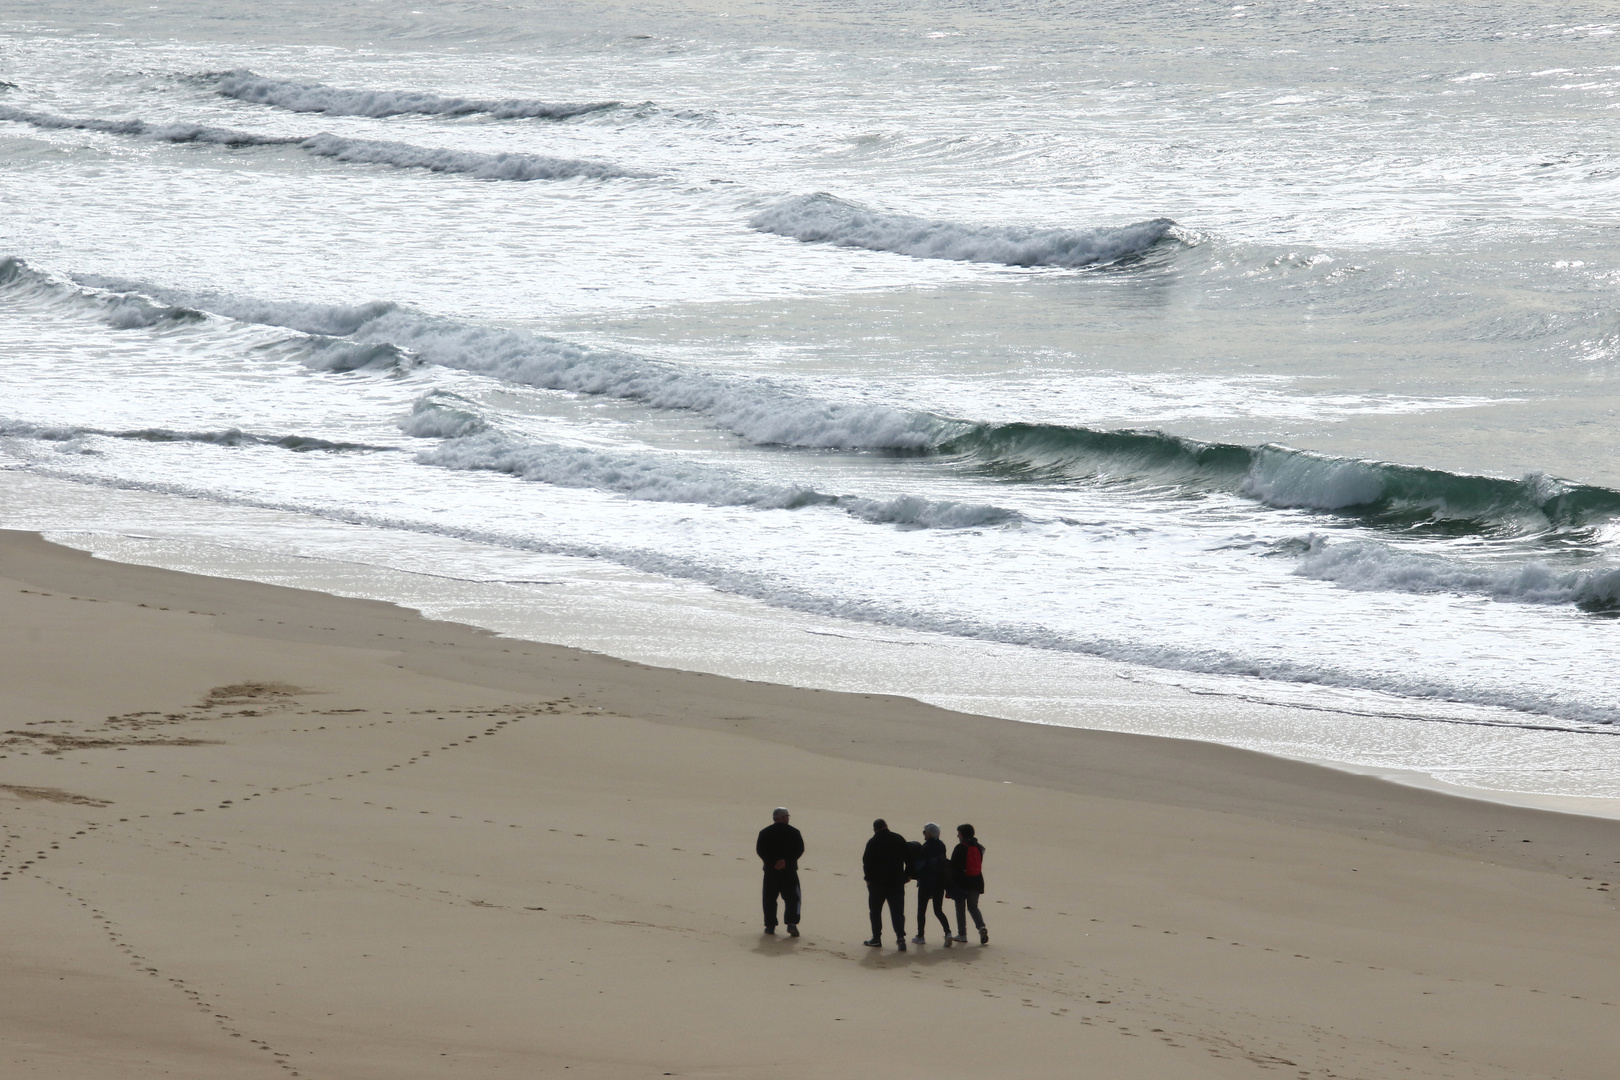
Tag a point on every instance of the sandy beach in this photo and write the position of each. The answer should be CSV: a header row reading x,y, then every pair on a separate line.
x,y
251,831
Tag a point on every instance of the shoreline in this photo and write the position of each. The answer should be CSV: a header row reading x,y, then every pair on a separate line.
x,y
249,823
620,612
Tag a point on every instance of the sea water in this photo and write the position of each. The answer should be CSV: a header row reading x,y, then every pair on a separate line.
x,y
1244,372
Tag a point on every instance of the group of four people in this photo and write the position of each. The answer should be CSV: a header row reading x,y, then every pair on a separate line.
x,y
888,863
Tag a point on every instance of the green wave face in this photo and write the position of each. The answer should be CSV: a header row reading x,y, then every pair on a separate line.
x,y
1372,492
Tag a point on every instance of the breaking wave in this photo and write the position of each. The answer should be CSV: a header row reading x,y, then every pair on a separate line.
x,y
1377,493
1372,566
319,353
822,218
478,166
759,411
505,166
469,444
303,97
1380,494
121,310
176,133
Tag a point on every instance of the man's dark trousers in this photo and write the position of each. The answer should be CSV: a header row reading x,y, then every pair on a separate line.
x,y
895,897
783,883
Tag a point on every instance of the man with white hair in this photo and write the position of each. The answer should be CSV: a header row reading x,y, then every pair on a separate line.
x,y
779,847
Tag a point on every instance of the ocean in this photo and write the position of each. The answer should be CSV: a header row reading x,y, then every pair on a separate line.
x,y
1243,372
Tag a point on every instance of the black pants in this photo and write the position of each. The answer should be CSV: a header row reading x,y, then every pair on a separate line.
x,y
895,897
783,883
938,898
965,903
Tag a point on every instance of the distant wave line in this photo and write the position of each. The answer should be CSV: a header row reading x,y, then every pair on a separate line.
x,y
308,97
823,218
502,166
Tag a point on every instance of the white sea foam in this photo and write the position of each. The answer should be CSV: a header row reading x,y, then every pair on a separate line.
x,y
1370,565
503,166
822,218
335,101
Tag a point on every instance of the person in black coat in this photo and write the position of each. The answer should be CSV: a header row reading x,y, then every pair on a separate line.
x,y
930,871
967,882
779,847
884,864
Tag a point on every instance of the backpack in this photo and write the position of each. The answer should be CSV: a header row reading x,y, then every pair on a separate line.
x,y
914,859
975,860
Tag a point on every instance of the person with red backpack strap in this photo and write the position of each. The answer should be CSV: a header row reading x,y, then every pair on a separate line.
x,y
967,882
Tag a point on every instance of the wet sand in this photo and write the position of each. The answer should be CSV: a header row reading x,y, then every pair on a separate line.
x,y
253,831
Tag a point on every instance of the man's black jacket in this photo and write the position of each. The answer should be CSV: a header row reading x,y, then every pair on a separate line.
x,y
885,859
779,840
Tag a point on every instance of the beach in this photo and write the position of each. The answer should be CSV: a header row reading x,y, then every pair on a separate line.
x,y
255,831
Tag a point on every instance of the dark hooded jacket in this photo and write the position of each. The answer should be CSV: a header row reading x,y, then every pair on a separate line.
x,y
931,866
960,881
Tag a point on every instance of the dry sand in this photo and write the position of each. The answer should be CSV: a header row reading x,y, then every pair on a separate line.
x,y
251,831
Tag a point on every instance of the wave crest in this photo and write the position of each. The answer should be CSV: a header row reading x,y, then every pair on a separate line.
x,y
505,166
22,429
244,85
655,477
1376,492
1368,565
823,218
120,310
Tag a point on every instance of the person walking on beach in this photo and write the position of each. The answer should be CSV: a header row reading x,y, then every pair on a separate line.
x,y
779,847
967,882
884,864
930,870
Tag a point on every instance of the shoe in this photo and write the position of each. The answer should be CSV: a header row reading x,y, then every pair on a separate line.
x,y
984,936
771,930
874,943
961,937
947,941
793,930
918,940
901,945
